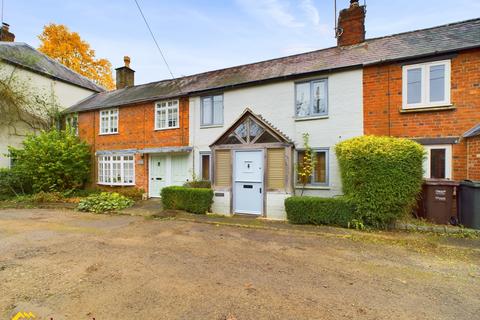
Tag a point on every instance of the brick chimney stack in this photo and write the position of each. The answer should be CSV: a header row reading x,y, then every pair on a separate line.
x,y
351,25
5,34
125,76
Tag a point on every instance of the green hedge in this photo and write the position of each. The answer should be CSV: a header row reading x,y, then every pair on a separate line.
x,y
314,210
194,200
382,176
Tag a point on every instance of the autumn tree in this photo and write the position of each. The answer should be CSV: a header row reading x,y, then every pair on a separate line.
x,y
59,43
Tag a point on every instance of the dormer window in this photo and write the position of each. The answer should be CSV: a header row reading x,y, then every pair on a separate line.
x,y
426,85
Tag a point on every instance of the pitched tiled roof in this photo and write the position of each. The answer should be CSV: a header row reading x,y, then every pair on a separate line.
x,y
443,39
23,55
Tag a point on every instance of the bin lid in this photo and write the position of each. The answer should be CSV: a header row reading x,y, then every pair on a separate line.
x,y
470,183
440,182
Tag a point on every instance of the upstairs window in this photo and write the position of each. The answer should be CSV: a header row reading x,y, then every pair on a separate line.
x,y
211,110
71,121
166,115
426,85
311,98
109,121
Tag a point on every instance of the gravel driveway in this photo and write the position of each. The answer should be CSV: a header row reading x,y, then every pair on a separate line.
x,y
67,265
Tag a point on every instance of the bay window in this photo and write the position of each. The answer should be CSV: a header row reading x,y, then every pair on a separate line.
x,y
116,170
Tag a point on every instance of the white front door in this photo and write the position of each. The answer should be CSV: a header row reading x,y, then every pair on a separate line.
x,y
248,182
158,175
167,170
179,169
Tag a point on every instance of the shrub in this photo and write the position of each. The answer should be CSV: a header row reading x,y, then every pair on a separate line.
x,y
104,202
203,184
13,183
382,176
53,160
129,192
314,210
44,197
194,200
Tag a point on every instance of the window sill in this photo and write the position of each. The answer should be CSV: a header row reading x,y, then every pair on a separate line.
x,y
312,187
211,126
311,118
428,109
108,134
163,129
116,184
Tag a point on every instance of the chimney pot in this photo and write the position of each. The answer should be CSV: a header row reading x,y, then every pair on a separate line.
x,y
126,60
125,76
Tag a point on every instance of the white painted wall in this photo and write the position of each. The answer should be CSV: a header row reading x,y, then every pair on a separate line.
x,y
275,102
64,94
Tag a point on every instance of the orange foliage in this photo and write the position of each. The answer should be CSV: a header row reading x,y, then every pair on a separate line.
x,y
70,50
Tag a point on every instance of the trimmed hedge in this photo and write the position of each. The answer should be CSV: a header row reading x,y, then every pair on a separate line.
x,y
194,200
382,176
314,210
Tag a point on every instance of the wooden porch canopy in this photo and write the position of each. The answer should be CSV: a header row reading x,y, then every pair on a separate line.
x,y
252,131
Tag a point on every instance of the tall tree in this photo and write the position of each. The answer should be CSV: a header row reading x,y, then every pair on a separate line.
x,y
59,43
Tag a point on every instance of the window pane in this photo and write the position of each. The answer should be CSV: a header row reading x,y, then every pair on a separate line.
x,y
207,110
205,167
302,104
320,172
319,97
414,86
241,130
255,130
437,163
437,83
218,109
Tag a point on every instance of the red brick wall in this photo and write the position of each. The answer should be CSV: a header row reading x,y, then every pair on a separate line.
x,y
136,131
473,155
382,101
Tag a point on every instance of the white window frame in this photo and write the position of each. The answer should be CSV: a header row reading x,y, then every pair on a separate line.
x,y
311,84
108,114
425,89
168,109
213,123
106,169
327,165
71,121
209,154
448,160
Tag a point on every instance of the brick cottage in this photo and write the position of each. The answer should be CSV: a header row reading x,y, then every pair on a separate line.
x,y
242,127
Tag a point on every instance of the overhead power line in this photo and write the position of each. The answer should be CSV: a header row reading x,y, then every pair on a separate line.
x,y
156,44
